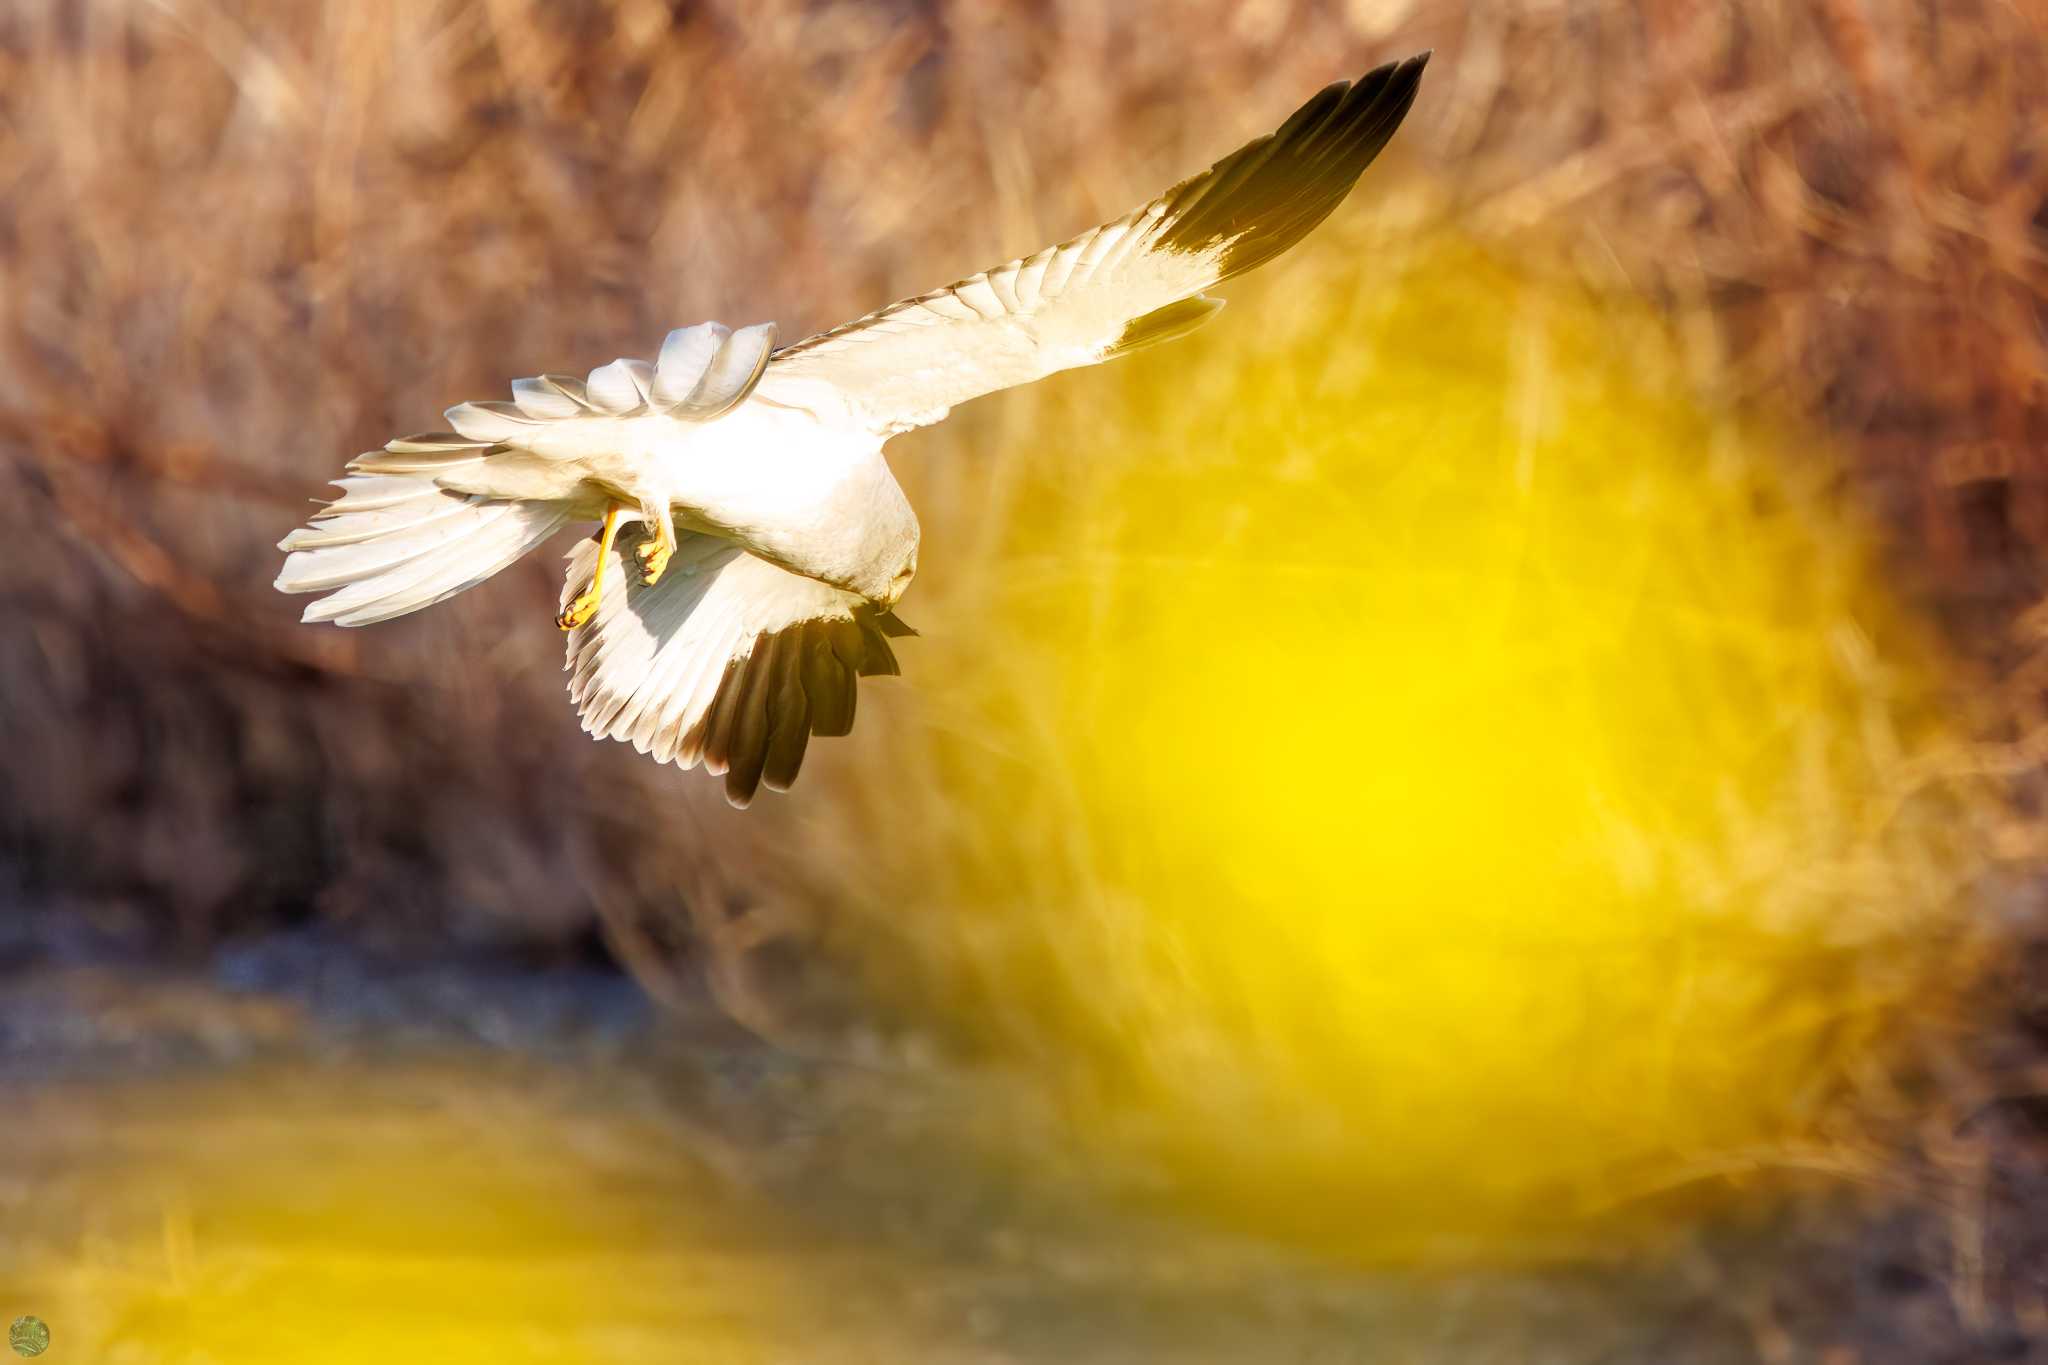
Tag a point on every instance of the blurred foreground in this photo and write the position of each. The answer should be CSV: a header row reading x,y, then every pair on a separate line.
x,y
307,1154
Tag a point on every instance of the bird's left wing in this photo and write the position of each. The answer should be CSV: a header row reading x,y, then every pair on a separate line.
x,y
1113,289
728,661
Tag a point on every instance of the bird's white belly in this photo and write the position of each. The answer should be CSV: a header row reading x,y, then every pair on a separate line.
x,y
815,498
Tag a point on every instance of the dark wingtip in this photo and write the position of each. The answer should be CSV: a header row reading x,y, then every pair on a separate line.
x,y
1272,192
895,626
1401,77
791,685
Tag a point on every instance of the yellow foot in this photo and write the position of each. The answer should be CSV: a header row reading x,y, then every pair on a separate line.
x,y
654,558
579,611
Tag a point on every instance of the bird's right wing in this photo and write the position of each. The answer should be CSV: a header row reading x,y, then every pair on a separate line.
x,y
728,661
1113,289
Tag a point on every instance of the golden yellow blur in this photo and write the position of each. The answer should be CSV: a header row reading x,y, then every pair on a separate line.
x,y
1446,782
394,1210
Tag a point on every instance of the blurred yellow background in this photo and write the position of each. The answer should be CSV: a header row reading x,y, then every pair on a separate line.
x,y
1429,766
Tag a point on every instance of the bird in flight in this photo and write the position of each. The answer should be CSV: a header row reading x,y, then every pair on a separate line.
x,y
769,542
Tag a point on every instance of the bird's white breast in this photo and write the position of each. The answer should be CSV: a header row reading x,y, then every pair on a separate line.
x,y
814,496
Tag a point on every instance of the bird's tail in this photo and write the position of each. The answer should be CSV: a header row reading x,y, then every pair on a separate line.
x,y
395,541
404,534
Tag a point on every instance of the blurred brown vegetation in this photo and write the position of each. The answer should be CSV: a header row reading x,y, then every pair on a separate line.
x,y
239,242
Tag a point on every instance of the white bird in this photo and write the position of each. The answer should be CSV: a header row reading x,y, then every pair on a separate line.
x,y
773,541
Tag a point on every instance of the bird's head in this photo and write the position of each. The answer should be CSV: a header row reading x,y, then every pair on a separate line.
x,y
900,583
889,549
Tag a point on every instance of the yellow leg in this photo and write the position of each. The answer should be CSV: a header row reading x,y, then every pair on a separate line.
x,y
585,606
655,552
